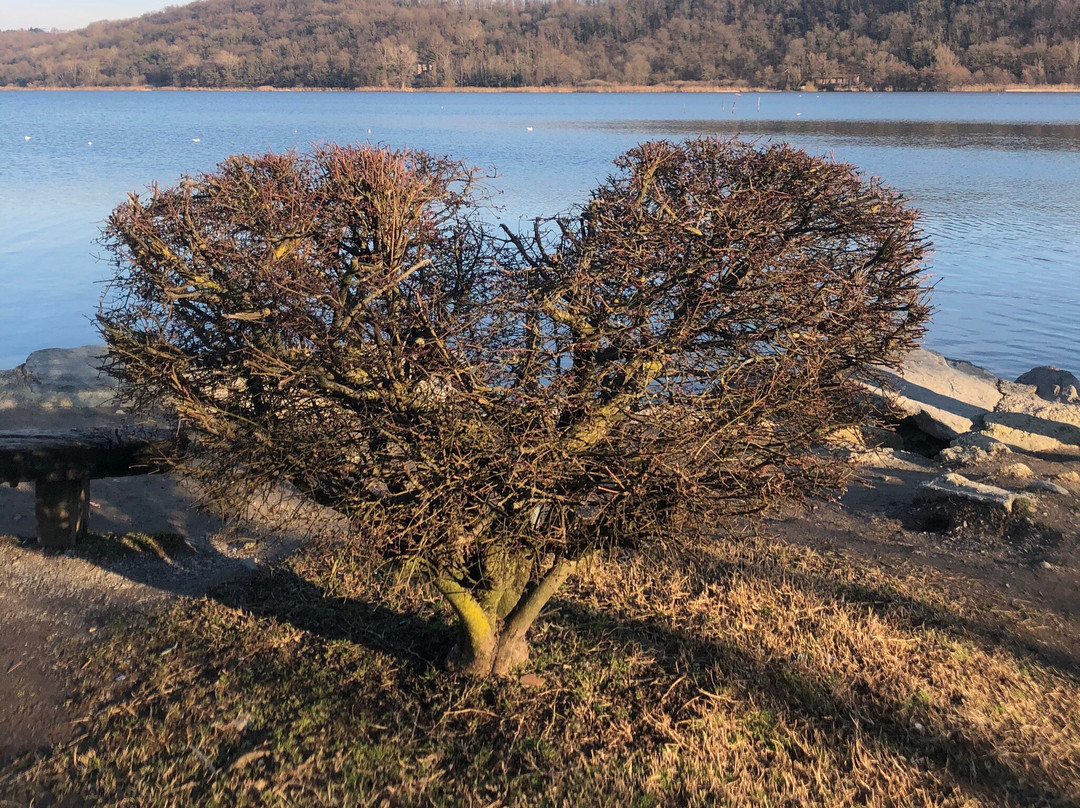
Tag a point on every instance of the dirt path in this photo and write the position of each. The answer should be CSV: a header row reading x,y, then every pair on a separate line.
x,y
32,689
52,605
148,543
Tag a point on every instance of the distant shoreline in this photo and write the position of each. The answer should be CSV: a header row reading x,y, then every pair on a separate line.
x,y
606,89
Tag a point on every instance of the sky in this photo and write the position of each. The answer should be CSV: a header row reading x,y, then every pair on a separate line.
x,y
69,14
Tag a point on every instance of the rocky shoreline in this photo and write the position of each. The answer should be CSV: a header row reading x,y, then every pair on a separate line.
x,y
56,387
965,417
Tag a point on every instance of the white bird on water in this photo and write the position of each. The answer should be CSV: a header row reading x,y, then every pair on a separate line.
x,y
26,137
528,128
196,140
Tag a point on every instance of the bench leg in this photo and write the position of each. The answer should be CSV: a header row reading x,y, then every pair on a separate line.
x,y
62,510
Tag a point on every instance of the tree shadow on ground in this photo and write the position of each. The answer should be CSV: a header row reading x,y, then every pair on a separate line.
x,y
280,594
169,563
915,614
783,686
780,682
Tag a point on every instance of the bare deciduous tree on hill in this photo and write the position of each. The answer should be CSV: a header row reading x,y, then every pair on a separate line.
x,y
487,411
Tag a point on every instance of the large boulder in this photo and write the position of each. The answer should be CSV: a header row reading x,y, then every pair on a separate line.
x,y
1053,384
1020,402
60,388
58,378
1045,431
1047,487
945,398
1025,420
951,400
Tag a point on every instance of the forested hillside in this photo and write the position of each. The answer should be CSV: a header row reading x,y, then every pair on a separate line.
x,y
898,44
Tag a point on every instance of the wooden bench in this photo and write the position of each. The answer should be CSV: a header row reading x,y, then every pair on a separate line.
x,y
61,463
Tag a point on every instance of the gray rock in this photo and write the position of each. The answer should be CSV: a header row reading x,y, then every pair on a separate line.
x,y
947,399
944,397
1027,421
1031,404
58,378
961,456
1016,471
1043,486
1053,384
953,499
971,448
1040,431
1070,477
898,460
883,438
959,487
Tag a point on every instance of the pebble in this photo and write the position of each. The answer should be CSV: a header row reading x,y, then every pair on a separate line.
x,y
888,479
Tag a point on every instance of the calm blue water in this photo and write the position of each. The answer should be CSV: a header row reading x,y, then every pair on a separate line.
x,y
997,178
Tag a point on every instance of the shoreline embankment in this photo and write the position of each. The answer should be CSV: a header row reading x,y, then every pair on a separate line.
x,y
593,89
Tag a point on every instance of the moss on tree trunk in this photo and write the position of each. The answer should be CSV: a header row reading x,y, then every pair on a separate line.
x,y
495,617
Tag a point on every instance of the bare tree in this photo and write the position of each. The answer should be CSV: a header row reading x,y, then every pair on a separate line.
x,y
399,62
489,411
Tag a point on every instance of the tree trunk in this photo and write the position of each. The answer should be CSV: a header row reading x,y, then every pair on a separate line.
x,y
475,649
493,639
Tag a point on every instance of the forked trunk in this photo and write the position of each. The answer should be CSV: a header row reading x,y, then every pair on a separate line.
x,y
493,639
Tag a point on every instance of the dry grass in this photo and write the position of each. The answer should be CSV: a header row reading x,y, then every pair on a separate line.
x,y
751,673
107,546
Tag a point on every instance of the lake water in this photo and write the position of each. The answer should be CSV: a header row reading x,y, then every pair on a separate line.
x,y
996,176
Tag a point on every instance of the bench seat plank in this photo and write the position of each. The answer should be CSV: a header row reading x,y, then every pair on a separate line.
x,y
29,455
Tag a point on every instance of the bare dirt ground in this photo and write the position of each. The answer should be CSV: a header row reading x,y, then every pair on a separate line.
x,y
148,543
53,605
1030,571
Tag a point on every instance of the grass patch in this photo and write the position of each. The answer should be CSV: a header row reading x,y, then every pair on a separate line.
x,y
114,546
748,674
